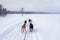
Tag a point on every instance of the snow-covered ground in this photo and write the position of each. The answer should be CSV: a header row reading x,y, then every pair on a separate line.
x,y
46,27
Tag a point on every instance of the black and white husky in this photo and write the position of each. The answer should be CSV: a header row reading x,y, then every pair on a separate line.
x,y
30,25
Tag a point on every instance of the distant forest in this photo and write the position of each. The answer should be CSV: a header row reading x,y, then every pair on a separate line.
x,y
3,11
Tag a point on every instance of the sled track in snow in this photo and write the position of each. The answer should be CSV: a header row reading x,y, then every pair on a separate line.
x,y
36,36
31,36
14,36
6,32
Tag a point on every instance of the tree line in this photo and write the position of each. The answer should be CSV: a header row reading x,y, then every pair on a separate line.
x,y
3,11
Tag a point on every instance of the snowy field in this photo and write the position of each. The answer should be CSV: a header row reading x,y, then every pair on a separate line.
x,y
46,27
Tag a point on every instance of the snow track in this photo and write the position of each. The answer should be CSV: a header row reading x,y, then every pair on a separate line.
x,y
10,30
46,27
14,33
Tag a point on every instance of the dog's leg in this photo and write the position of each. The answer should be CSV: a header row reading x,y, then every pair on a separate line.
x,y
30,30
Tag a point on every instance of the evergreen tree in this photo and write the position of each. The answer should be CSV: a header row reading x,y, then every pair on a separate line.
x,y
0,10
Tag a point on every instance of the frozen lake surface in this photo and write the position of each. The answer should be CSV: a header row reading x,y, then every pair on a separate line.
x,y
46,27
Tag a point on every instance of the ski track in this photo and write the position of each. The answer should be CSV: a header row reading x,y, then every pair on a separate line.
x,y
45,25
14,33
8,31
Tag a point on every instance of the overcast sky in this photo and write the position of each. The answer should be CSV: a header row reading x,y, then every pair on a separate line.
x,y
32,5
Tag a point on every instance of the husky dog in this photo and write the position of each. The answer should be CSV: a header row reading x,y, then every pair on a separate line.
x,y
24,26
30,25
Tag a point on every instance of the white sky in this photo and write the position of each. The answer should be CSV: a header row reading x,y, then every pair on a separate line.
x,y
32,5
